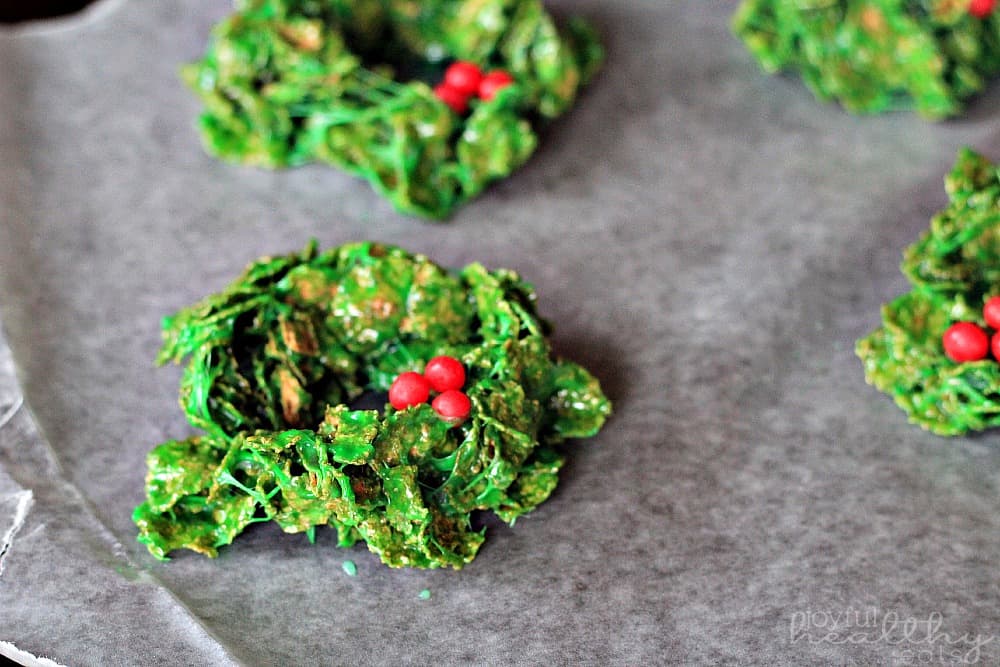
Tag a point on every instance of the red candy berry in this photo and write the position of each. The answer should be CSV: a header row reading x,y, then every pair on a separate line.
x,y
452,405
965,341
445,373
464,77
982,8
456,99
995,345
409,389
991,312
493,82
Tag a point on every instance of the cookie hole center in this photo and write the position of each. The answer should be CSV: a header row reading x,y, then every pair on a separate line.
x,y
371,400
391,57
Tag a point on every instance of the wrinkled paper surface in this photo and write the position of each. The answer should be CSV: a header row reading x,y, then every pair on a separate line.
x,y
709,242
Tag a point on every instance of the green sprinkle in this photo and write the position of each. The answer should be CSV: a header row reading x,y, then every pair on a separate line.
x,y
350,568
424,594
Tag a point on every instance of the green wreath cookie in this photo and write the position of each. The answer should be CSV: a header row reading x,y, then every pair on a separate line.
x,y
361,85
932,353
878,55
276,358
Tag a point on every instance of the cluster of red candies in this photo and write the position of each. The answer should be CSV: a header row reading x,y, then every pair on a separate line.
x,y
982,8
463,80
967,341
445,375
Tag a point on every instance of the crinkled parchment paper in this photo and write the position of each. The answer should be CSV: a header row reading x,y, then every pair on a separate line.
x,y
708,241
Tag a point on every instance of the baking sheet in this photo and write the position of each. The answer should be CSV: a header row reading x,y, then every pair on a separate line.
x,y
708,241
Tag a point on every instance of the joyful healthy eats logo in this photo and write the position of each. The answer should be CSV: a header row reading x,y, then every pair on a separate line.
x,y
912,640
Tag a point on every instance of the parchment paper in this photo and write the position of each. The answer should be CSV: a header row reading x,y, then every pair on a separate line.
x,y
708,241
